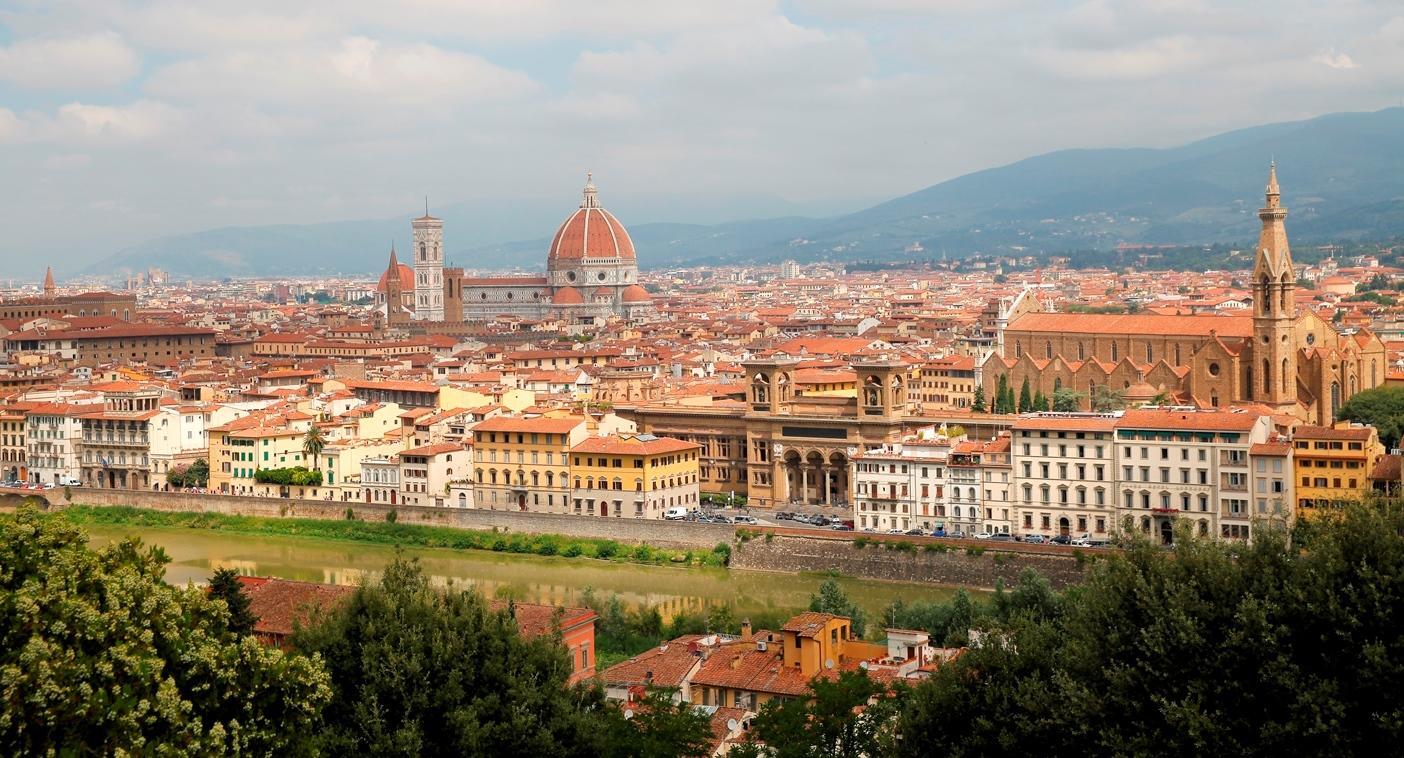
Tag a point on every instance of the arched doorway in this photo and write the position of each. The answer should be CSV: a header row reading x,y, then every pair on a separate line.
x,y
1064,528
1167,532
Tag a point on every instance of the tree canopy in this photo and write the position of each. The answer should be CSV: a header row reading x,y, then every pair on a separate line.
x,y
1382,408
224,585
98,655
831,599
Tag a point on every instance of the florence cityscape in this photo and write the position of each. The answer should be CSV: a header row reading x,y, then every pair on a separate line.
x,y
750,379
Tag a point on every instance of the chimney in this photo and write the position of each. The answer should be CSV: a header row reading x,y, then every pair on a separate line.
x,y
745,628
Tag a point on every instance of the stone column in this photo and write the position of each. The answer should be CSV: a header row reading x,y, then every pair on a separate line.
x,y
828,496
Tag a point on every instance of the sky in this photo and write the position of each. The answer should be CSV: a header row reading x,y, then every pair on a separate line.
x,y
122,121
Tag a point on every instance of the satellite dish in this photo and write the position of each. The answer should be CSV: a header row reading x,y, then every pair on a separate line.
x,y
628,713
828,664
732,725
863,665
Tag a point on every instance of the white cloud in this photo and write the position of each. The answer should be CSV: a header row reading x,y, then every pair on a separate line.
x,y
1333,59
98,60
144,121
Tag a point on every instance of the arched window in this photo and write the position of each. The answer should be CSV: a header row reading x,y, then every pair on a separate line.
x,y
1287,286
1335,399
462,500
1177,354
1264,295
1081,352
423,254
1114,352
1150,353
1267,376
1048,348
1286,377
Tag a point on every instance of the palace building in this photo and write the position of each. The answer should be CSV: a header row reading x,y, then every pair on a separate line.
x,y
1287,359
592,275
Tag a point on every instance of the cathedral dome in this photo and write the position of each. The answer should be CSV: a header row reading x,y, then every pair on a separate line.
x,y
568,296
590,232
635,294
406,279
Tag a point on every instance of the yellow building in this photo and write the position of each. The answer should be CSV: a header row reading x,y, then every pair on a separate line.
x,y
1333,464
523,463
750,672
240,448
633,476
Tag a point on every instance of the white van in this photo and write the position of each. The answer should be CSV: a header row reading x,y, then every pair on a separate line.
x,y
69,481
675,514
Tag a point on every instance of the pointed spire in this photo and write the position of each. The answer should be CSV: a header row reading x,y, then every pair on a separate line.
x,y
1273,193
394,262
589,201
49,280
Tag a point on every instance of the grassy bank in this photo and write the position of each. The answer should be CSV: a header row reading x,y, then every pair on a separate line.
x,y
386,533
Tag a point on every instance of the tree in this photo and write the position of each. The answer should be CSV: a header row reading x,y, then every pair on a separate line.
x,y
1289,655
98,655
416,670
848,717
831,599
1382,408
1025,397
196,474
978,405
313,443
1001,387
225,585
1040,401
1105,399
1067,400
656,726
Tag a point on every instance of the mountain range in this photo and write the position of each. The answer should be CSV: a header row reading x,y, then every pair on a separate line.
x,y
1342,176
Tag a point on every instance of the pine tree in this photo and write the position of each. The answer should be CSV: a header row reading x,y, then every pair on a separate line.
x,y
224,585
1002,395
1025,397
1040,401
979,405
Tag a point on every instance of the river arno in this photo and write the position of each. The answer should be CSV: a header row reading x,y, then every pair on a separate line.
x,y
195,554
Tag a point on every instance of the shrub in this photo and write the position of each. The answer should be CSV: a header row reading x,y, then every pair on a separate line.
x,y
974,550
498,545
350,514
861,542
606,549
392,516
935,547
643,553
546,547
296,476
572,550
723,550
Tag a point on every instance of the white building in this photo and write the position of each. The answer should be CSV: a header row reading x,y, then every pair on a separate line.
x,y
1064,472
53,441
902,485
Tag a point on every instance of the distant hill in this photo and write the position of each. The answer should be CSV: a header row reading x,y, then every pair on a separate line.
x,y
1342,177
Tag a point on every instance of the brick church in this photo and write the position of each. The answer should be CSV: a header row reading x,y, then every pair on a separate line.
x,y
1285,358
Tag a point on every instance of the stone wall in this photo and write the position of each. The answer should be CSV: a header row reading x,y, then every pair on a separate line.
x,y
789,553
673,534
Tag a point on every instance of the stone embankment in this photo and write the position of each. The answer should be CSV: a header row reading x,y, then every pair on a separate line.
x,y
970,563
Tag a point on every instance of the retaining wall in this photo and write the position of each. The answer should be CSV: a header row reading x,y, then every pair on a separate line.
x,y
789,553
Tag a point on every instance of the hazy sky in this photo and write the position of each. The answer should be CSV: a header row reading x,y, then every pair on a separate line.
x,y
125,120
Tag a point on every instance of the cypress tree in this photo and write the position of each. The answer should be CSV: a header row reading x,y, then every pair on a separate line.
x,y
1025,397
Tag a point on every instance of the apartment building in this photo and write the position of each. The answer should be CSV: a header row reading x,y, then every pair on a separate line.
x,y
242,447
633,475
1182,463
996,478
1064,474
116,441
523,463
426,472
1332,464
53,440
380,480
14,463
902,485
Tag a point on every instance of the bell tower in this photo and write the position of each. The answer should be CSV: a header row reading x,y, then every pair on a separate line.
x,y
882,388
1274,306
428,254
394,307
770,384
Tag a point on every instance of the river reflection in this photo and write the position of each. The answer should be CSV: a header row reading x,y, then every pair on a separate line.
x,y
195,554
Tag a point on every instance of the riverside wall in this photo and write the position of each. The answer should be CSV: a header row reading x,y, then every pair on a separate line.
x,y
958,564
969,563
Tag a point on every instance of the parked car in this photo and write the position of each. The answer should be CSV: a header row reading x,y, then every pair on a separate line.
x,y
675,514
70,481
1035,539
915,532
841,527
744,520
960,535
1061,539
938,532
1002,537
1082,542
981,535
784,516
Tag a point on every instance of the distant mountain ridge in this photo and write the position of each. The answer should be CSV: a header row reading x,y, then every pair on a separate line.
x,y
1342,177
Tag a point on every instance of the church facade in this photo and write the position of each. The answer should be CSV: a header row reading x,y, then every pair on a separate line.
x,y
592,275
1287,359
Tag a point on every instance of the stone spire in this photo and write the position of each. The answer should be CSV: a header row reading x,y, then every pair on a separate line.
x,y
49,282
1274,256
589,201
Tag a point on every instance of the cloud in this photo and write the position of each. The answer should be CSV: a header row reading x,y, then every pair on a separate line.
x,y
357,71
99,60
144,121
1333,59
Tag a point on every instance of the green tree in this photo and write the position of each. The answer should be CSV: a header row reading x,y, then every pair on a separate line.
x,y
225,585
98,655
1025,397
1067,400
1040,402
848,717
419,671
1290,654
831,599
1382,408
657,726
1106,399
978,405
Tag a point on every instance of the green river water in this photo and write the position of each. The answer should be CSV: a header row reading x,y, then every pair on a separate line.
x,y
195,554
